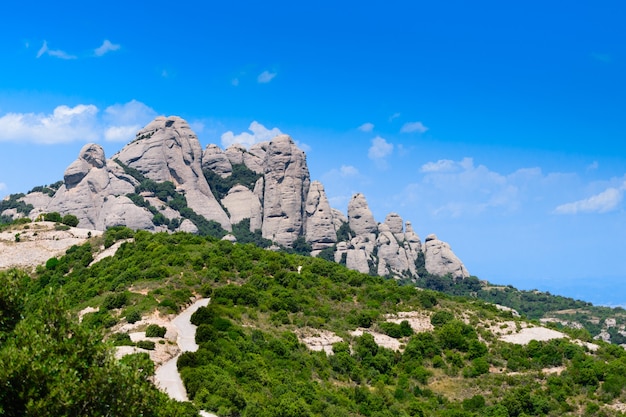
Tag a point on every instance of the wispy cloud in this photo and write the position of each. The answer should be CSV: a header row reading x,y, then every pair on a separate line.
x,y
442,165
380,149
593,166
266,76
606,201
3,186
57,53
83,122
394,116
234,82
366,127
106,46
461,188
413,127
259,134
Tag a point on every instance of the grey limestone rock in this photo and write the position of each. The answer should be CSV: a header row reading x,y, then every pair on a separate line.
x,y
242,203
319,226
235,153
360,217
214,159
254,159
339,218
168,150
440,260
187,226
90,190
393,257
286,188
121,211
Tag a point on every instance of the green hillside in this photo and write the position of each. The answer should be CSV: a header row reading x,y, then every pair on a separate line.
x,y
252,359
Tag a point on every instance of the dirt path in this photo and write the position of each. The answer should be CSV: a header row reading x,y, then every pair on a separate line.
x,y
167,377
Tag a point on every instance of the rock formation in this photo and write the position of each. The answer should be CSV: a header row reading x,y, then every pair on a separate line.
x,y
286,188
440,260
94,191
168,150
214,159
320,229
360,217
242,203
277,197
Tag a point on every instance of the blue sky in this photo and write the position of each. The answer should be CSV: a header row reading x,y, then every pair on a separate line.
x,y
499,126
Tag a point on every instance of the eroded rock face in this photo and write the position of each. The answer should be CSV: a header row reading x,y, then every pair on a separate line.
x,y
242,203
286,188
214,159
393,256
440,260
320,226
91,193
254,159
168,150
235,153
360,217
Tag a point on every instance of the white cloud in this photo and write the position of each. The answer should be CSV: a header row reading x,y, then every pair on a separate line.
x,y
124,120
607,200
65,124
593,166
106,46
394,116
380,148
442,165
57,53
266,76
413,127
366,127
259,134
83,122
3,186
459,188
348,171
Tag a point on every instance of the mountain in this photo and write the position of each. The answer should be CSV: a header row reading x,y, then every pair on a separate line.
x,y
163,180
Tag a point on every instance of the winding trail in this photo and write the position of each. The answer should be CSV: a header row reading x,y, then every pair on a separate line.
x,y
166,376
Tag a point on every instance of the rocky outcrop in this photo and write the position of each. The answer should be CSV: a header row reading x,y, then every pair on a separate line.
x,y
394,256
254,159
283,202
168,150
320,229
242,203
235,153
94,192
214,159
286,188
360,217
440,260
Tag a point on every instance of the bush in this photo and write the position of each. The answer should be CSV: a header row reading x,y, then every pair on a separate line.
x,y
115,300
70,220
154,330
145,344
440,318
133,316
121,339
52,217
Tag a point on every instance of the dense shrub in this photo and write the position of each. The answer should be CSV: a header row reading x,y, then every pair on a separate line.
x,y
154,330
145,344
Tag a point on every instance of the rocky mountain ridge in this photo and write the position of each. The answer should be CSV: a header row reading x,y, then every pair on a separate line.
x,y
163,180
